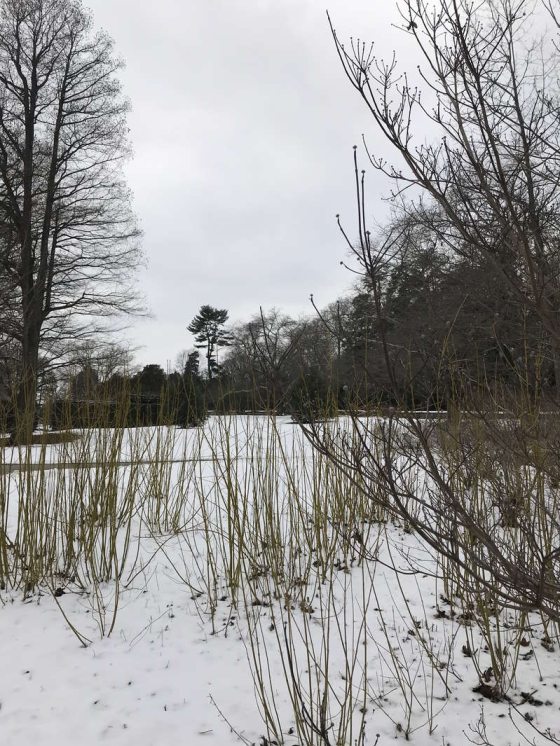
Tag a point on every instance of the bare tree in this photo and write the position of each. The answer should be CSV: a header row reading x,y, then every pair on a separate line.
x,y
69,238
480,489
263,351
493,109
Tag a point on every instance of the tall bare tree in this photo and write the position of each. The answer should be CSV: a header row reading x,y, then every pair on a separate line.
x,y
69,237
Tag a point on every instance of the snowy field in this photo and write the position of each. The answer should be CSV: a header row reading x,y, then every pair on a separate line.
x,y
228,585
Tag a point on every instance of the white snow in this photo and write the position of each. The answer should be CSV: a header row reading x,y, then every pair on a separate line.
x,y
169,674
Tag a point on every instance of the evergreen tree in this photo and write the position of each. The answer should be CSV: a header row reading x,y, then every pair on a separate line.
x,y
191,369
209,333
152,379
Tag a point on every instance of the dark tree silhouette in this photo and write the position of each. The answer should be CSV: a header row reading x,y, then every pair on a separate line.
x,y
152,380
209,333
191,367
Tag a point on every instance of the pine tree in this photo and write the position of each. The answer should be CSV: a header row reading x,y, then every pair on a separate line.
x,y
209,333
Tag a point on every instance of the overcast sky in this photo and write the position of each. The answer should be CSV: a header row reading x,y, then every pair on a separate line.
x,y
242,126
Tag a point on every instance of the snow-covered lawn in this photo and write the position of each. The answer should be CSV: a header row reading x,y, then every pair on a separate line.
x,y
230,600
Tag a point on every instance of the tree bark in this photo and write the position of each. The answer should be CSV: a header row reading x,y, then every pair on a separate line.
x,y
26,395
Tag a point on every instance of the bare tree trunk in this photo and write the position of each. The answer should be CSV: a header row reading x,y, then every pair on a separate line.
x,y
26,395
555,345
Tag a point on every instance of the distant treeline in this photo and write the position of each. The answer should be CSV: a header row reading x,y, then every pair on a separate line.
x,y
148,398
434,323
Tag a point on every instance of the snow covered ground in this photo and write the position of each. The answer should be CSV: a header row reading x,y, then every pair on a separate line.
x,y
243,611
